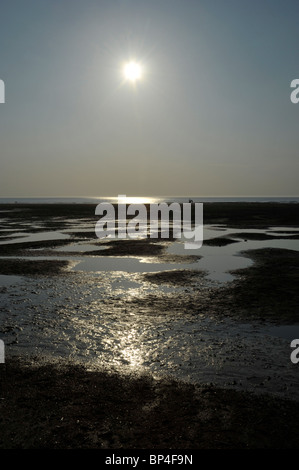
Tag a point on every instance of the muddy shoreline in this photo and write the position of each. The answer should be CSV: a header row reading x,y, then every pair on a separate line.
x,y
63,405
68,407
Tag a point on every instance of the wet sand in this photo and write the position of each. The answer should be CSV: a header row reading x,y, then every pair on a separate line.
x,y
67,407
63,405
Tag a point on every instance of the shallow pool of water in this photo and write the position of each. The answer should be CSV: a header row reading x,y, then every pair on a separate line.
x,y
289,332
130,265
37,237
217,261
6,280
84,247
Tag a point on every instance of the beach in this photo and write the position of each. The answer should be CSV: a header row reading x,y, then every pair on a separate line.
x,y
142,344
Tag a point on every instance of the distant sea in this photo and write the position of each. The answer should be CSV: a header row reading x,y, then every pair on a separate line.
x,y
168,199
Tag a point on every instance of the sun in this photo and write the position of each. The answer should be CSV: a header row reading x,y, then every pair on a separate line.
x,y
132,71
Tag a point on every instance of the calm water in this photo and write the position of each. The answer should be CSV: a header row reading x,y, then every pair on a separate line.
x,y
97,200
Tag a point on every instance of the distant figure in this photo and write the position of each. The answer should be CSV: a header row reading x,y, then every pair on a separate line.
x,y
190,201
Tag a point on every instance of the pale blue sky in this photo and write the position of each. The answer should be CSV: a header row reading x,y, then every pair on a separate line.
x,y
211,117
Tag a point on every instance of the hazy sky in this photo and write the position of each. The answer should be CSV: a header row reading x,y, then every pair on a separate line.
x,y
212,115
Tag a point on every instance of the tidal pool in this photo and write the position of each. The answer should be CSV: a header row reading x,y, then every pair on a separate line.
x,y
217,261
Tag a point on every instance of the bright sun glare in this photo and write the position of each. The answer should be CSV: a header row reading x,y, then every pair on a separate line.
x,y
132,71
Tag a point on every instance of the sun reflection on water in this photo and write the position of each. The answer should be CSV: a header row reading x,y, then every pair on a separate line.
x,y
132,200
131,348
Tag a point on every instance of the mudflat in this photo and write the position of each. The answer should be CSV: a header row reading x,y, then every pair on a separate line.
x,y
61,404
67,407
